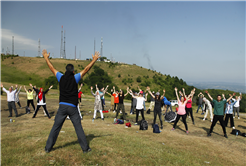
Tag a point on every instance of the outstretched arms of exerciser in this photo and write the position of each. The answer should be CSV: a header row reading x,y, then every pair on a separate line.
x,y
82,73
46,57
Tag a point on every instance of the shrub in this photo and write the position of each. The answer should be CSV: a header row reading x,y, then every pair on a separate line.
x,y
119,75
139,79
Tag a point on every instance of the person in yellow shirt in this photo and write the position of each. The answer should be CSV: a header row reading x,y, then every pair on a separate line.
x,y
29,98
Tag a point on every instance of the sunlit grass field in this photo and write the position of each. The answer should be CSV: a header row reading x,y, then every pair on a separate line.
x,y
23,141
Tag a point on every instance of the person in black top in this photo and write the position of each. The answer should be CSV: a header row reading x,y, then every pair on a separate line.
x,y
157,108
41,100
68,87
121,103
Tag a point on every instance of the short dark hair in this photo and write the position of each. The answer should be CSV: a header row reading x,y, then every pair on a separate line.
x,y
219,95
70,67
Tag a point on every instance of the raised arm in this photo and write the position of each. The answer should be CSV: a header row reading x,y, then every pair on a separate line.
x,y
127,89
92,92
199,94
106,89
148,89
163,94
19,89
176,94
80,86
88,67
230,97
96,87
184,92
4,88
223,95
46,57
25,88
208,95
114,89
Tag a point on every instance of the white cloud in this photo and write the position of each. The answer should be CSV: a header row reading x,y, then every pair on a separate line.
x,y
20,42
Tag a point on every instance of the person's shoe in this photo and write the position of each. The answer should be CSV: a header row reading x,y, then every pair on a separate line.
x,y
10,116
196,112
93,120
172,129
233,127
193,123
46,150
86,151
68,118
233,116
211,120
238,118
20,107
209,135
121,112
189,116
45,114
204,119
114,120
161,127
102,118
202,113
131,113
16,116
187,132
28,112
225,136
114,112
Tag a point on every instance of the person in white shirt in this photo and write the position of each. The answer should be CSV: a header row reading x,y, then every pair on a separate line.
x,y
236,107
11,99
209,109
140,104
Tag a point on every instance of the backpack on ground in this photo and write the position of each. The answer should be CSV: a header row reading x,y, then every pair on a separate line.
x,y
148,111
119,121
143,125
156,128
170,116
128,124
236,132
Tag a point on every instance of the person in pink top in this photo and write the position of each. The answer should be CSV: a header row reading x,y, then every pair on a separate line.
x,y
181,111
188,107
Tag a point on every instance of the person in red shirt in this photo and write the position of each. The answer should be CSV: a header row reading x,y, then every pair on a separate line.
x,y
116,99
80,93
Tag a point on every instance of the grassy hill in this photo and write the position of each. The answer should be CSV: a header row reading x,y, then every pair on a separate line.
x,y
25,70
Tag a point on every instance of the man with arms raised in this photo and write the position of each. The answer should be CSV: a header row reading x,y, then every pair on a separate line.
x,y
68,100
218,112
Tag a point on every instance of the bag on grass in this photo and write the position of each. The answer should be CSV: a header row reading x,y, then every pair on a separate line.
x,y
148,111
143,125
243,134
236,132
156,128
119,121
170,116
128,124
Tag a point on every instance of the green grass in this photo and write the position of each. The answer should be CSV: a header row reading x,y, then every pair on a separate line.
x,y
23,141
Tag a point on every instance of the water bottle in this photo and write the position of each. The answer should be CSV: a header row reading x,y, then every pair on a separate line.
x,y
236,133
10,120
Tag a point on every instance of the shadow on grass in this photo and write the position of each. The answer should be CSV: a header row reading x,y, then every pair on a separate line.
x,y
89,138
244,127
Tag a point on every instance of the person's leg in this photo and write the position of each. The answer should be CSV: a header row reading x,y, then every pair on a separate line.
x,y
10,109
36,111
187,111
234,111
237,108
210,112
184,121
137,112
231,120
95,114
160,117
79,111
123,111
59,120
45,109
28,103
176,121
19,104
73,114
198,108
114,106
14,108
191,115
32,104
155,114
206,114
222,123
117,111
102,104
142,114
226,119
215,119
101,114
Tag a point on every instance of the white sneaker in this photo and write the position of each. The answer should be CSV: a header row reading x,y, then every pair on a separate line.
x,y
120,112
233,116
114,112
204,119
139,115
114,120
211,120
131,113
189,116
238,118
233,127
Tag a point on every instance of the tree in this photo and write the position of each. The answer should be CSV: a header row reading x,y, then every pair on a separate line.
x,y
139,79
52,80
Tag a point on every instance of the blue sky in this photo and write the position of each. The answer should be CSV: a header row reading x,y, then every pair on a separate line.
x,y
196,41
